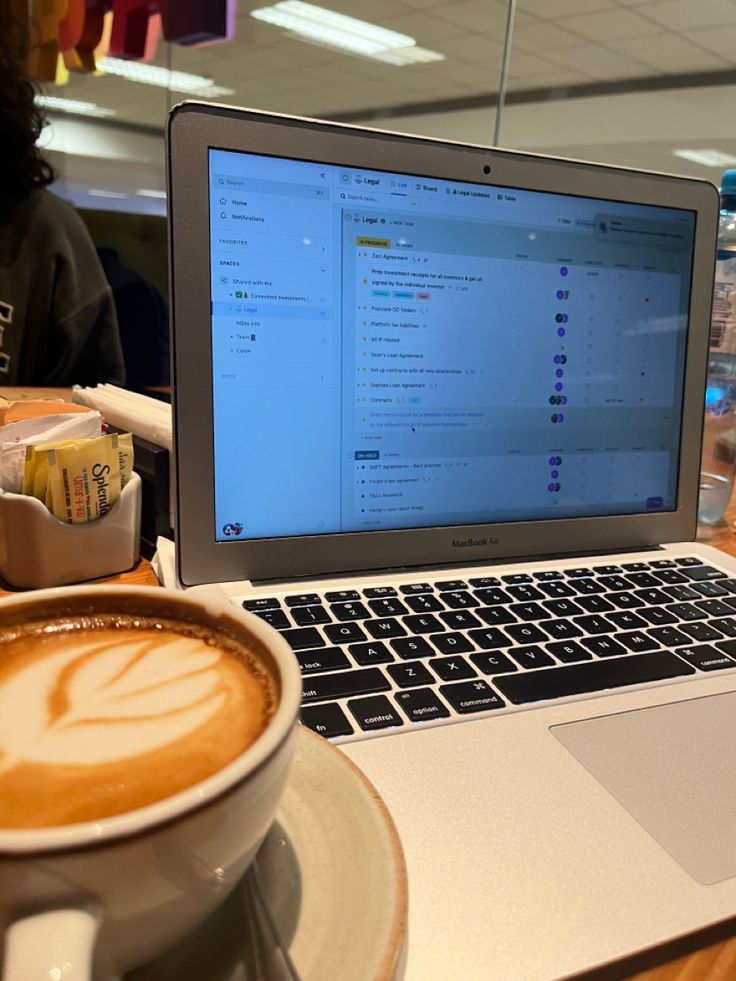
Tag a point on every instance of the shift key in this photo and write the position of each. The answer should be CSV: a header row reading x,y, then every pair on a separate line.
x,y
343,684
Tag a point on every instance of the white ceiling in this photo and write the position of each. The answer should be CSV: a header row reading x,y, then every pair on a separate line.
x,y
557,44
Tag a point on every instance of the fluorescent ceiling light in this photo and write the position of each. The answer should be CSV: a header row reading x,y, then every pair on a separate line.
x,y
75,106
307,22
136,71
708,158
146,192
98,193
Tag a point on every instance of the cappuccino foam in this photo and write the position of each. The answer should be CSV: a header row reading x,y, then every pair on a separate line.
x,y
103,715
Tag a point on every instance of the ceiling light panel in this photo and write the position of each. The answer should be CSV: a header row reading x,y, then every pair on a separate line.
x,y
308,22
708,158
136,71
74,106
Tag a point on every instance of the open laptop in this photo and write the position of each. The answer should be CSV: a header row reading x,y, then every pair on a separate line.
x,y
437,418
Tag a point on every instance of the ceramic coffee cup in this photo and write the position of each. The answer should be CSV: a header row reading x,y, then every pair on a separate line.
x,y
92,899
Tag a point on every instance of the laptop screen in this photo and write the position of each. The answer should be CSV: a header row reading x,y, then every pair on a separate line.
x,y
391,351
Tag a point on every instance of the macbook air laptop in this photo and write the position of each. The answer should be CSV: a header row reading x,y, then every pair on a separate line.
x,y
437,419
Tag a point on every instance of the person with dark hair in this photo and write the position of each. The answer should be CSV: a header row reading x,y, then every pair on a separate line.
x,y
58,324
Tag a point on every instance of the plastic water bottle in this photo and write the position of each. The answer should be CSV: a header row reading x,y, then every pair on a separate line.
x,y
719,433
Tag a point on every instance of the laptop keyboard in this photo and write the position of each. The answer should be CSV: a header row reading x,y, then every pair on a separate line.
x,y
393,656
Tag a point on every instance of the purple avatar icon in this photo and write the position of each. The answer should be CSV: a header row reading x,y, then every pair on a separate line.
x,y
556,359
563,270
559,373
551,488
560,294
552,461
558,387
565,318
564,399
560,418
560,331
555,474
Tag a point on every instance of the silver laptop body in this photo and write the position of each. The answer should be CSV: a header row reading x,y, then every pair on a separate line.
x,y
406,369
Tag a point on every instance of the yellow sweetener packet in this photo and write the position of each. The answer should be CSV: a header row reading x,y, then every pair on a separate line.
x,y
36,471
85,479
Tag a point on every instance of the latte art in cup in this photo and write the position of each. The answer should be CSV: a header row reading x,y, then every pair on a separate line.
x,y
102,715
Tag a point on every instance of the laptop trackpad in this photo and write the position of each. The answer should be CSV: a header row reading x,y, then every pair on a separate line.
x,y
673,767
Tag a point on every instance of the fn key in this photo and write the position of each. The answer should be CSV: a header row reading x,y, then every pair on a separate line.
x,y
326,720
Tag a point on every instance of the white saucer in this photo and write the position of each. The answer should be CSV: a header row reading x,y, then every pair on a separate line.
x,y
333,876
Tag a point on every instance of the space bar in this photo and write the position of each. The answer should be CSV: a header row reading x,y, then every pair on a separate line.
x,y
581,679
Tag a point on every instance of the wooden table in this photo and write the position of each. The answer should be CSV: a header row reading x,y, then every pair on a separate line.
x,y
710,954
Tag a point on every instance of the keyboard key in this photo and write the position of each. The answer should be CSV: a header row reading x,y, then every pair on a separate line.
x,y
637,642
557,589
326,720
701,573
517,579
706,658
387,607
407,647
464,620
569,652
322,659
590,676
526,633
530,657
425,603
689,560
302,638
452,668
343,684
626,620
614,583
379,592
548,575
710,589
686,611
303,599
578,573
493,596
374,713
587,587
277,618
306,615
729,584
530,611
681,593
658,615
625,601
410,675
652,597
562,629
342,595
635,566
484,582
643,580
452,643
421,704
728,647
419,624
715,608
349,611
488,638
593,624
700,631
669,636
524,594
562,607
663,564
670,576
344,633
449,584
460,600
472,696
411,589
492,662
602,646
384,628
594,604
494,616
607,570
261,603
371,653
727,626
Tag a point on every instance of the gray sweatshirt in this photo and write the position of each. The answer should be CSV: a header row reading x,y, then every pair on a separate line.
x,y
57,316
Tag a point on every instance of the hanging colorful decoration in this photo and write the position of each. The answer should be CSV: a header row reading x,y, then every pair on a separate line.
x,y
80,31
